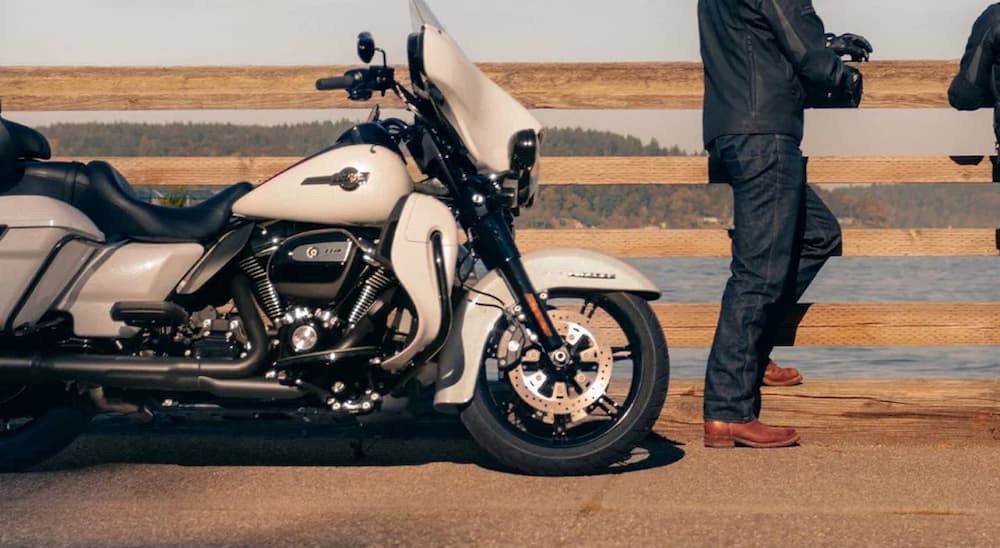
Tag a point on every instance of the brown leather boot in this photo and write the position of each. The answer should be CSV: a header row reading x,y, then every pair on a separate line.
x,y
725,435
780,376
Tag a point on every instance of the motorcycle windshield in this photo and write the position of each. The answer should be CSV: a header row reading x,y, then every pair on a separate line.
x,y
485,116
421,15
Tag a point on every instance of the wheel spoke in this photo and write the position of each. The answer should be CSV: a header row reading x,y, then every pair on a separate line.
x,y
590,355
559,429
588,309
621,352
609,405
578,345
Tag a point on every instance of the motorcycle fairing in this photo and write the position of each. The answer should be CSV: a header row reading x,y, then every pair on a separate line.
x,y
551,270
485,116
423,223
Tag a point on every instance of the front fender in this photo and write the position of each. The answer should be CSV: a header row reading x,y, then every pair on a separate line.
x,y
550,270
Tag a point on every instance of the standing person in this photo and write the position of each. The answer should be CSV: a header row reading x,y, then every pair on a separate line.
x,y
976,85
764,61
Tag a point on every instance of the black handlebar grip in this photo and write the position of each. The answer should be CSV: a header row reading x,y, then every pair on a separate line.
x,y
336,82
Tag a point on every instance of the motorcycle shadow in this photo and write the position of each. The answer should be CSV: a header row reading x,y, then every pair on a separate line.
x,y
227,443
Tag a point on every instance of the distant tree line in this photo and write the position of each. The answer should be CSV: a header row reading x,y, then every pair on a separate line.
x,y
127,139
635,206
639,206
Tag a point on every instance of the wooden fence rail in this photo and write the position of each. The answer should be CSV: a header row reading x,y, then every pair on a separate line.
x,y
862,324
637,170
707,243
888,84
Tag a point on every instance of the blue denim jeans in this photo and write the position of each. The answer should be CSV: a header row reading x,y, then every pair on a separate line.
x,y
784,235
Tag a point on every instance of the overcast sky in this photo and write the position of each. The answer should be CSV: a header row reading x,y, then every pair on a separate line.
x,y
315,32
212,32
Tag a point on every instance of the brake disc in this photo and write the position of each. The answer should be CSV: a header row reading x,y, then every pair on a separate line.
x,y
572,392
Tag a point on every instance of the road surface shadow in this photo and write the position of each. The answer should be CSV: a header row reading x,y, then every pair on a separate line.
x,y
403,442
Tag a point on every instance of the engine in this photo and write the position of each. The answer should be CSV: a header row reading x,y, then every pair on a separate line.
x,y
316,285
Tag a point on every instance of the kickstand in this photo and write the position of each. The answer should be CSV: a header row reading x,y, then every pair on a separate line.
x,y
358,444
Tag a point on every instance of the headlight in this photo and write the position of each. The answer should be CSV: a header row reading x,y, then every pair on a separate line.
x,y
523,150
524,159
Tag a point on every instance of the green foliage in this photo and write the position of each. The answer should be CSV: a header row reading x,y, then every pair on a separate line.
x,y
175,197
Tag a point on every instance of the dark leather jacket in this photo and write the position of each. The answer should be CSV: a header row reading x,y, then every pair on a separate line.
x,y
761,57
972,88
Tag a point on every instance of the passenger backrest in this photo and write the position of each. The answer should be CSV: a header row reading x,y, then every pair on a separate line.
x,y
19,143
27,143
8,153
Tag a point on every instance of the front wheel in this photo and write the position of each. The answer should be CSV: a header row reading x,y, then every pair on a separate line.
x,y
580,419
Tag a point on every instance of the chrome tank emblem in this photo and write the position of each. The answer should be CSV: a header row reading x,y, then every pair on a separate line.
x,y
349,179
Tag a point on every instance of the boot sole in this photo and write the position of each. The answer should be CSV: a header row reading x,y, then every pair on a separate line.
x,y
730,443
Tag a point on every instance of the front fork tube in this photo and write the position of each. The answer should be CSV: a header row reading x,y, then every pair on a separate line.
x,y
496,246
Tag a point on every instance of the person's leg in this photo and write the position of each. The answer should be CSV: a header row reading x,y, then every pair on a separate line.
x,y
819,239
767,176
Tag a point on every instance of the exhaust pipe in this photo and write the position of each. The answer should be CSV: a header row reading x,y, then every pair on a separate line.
x,y
221,378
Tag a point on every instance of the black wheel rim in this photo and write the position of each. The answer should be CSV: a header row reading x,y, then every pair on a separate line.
x,y
521,418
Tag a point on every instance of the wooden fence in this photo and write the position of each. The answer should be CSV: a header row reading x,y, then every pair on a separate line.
x,y
889,84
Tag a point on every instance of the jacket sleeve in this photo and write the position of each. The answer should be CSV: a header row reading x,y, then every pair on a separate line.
x,y
801,34
971,89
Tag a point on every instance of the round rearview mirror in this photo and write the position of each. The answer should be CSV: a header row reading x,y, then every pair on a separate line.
x,y
366,47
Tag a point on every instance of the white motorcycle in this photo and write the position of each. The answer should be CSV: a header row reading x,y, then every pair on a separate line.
x,y
338,284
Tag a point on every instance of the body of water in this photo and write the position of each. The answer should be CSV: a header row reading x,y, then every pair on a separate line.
x,y
946,279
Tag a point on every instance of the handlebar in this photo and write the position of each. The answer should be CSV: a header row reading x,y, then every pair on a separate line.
x,y
336,82
361,83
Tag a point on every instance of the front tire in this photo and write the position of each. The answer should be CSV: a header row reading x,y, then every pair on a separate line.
x,y
512,422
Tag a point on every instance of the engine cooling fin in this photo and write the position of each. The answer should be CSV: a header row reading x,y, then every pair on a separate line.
x,y
267,295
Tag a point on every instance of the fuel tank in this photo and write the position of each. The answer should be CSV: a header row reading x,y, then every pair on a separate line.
x,y
349,184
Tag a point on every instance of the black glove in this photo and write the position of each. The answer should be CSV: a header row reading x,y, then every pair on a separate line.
x,y
858,47
847,95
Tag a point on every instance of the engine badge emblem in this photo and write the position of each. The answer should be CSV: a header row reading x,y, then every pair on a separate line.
x,y
349,179
326,252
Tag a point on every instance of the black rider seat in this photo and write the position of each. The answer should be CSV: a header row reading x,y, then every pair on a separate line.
x,y
112,204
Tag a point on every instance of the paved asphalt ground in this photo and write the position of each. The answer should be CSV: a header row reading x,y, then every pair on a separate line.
x,y
424,483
